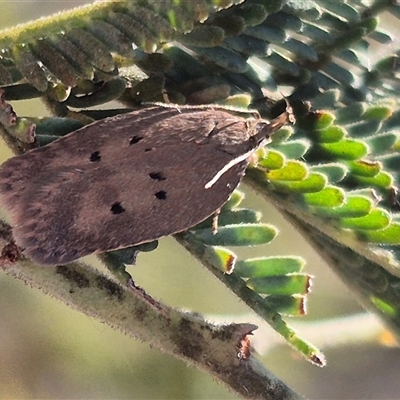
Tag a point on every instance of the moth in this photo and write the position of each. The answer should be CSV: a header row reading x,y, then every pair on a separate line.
x,y
128,179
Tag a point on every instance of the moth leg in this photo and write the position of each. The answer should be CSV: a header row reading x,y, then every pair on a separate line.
x,y
9,251
254,157
165,97
394,197
9,254
214,223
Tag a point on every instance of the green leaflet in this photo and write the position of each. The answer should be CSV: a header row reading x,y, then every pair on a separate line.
x,y
388,236
331,134
379,112
292,149
272,160
313,183
221,258
238,235
291,171
365,168
348,149
287,305
281,285
268,266
335,172
376,219
327,197
382,180
353,207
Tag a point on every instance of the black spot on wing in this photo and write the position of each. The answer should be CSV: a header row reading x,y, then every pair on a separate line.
x,y
95,156
157,176
134,140
117,208
161,195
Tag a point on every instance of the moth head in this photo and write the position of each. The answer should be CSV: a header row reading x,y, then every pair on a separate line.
x,y
262,129
259,131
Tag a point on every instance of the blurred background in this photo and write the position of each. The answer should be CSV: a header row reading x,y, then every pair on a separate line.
x,y
50,351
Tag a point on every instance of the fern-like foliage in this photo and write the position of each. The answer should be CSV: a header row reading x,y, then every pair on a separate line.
x,y
334,174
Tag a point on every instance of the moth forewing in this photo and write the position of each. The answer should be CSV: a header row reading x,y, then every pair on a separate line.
x,y
127,180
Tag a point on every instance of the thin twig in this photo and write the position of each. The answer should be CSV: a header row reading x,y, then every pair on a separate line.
x,y
216,349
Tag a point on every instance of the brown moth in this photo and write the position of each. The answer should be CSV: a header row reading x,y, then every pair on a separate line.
x,y
128,179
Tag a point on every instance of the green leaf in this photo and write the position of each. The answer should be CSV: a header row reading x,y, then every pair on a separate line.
x,y
292,171
268,266
287,305
385,306
364,128
294,149
283,64
391,161
378,113
382,180
25,61
310,352
331,134
224,57
382,143
281,285
335,172
349,149
95,50
346,11
238,235
270,34
322,119
232,217
203,36
239,216
314,182
253,14
272,160
365,167
247,45
55,62
329,197
376,219
354,207
350,113
388,236
234,201
339,73
56,126
301,49
281,136
221,258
